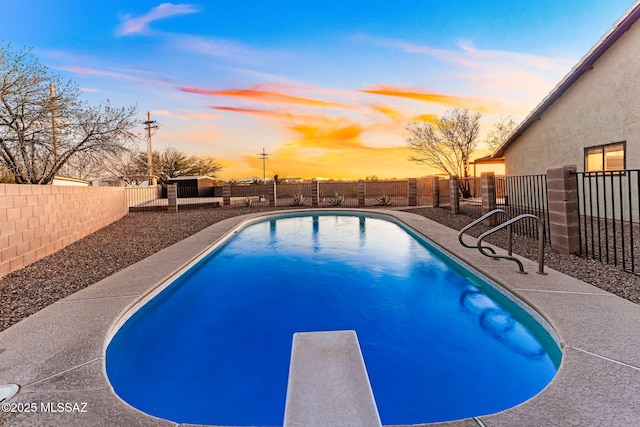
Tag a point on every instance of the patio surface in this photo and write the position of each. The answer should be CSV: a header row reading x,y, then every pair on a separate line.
x,y
57,355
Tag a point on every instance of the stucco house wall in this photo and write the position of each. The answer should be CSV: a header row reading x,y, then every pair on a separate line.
x,y
601,107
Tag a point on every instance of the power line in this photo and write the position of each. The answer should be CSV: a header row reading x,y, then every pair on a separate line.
x,y
150,124
264,156
173,130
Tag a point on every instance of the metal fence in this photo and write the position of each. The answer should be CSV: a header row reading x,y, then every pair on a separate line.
x,y
471,205
344,193
145,199
330,193
293,194
525,194
425,191
392,193
154,198
376,193
609,210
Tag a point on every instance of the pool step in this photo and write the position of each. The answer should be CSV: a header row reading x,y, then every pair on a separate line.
x,y
328,382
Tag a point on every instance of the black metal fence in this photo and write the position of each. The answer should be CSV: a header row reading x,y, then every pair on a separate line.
x,y
609,217
471,202
525,194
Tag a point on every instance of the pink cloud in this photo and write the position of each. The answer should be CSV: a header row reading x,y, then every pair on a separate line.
x,y
269,97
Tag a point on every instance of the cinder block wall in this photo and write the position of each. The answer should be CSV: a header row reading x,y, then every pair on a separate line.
x,y
38,220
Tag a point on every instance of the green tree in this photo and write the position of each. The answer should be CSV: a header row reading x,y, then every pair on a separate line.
x,y
44,124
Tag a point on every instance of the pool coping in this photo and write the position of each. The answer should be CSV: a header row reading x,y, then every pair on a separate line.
x,y
57,354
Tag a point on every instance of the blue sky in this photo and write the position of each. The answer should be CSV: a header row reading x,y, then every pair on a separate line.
x,y
327,88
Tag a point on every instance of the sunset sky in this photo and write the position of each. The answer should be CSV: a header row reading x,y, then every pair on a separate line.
x,y
327,88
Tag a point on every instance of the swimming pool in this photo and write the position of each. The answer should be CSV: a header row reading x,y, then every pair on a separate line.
x,y
438,341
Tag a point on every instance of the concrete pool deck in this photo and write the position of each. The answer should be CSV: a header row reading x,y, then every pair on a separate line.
x,y
56,356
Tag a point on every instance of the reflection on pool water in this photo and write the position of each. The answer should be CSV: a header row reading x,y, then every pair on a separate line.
x,y
439,342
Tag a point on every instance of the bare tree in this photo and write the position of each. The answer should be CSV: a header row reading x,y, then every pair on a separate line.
x,y
500,132
125,166
447,144
44,123
84,165
6,177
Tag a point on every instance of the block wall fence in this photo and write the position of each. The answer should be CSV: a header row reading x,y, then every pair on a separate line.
x,y
38,220
562,201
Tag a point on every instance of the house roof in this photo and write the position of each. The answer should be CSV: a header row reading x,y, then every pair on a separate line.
x,y
487,159
585,64
183,178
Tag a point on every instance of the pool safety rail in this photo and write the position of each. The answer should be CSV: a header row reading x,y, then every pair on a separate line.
x,y
479,220
508,224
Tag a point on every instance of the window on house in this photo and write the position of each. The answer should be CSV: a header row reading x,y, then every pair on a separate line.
x,y
608,157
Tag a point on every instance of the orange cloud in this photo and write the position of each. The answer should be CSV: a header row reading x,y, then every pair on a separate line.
x,y
429,118
327,133
388,111
400,92
266,97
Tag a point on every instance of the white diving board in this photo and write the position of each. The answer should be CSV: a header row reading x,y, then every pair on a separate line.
x,y
328,382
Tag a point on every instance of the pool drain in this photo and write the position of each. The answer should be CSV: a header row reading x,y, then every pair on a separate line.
x,y
7,391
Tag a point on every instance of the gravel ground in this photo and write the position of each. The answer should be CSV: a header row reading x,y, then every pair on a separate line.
x,y
99,255
137,236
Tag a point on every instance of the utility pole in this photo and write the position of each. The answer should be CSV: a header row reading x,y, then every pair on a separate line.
x,y
151,124
56,145
264,156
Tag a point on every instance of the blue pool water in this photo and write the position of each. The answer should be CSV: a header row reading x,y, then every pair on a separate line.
x,y
439,343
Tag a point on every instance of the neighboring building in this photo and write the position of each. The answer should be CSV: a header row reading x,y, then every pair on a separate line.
x,y
109,182
290,180
487,164
194,186
66,181
592,117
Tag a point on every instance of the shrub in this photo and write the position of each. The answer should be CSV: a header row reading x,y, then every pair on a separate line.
x,y
336,200
384,200
298,200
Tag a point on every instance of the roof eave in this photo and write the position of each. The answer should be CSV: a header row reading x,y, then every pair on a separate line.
x,y
584,65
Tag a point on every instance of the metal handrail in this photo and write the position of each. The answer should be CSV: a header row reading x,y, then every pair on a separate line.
x,y
508,224
478,221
